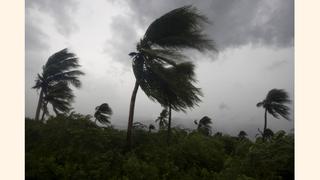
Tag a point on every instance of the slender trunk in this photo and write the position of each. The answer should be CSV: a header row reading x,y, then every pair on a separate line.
x,y
131,114
39,105
169,124
43,113
265,124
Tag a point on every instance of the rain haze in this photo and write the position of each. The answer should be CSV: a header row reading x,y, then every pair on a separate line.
x,y
254,39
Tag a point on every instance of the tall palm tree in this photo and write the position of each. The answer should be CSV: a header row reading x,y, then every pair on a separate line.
x,y
162,119
174,88
204,125
103,113
161,47
275,104
60,97
60,67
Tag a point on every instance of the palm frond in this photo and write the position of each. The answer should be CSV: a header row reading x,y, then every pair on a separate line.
x,y
103,113
278,96
178,29
205,120
275,103
259,104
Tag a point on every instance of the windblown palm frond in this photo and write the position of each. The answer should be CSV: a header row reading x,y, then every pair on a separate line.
x,y
204,125
60,96
242,134
178,29
160,66
61,67
103,113
163,119
139,125
275,102
171,85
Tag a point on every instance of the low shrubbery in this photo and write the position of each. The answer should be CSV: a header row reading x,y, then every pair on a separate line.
x,y
75,148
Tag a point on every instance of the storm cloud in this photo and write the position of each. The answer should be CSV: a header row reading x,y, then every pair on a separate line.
x,y
254,38
234,22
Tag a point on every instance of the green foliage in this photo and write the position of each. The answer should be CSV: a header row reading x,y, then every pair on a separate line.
x,y
60,70
204,125
163,119
103,113
159,65
74,147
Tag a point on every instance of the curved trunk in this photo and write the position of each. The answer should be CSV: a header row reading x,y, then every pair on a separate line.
x,y
169,124
265,123
131,114
39,105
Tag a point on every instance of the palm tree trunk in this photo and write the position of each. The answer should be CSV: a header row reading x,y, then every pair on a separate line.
x,y
131,114
39,105
265,123
43,111
169,125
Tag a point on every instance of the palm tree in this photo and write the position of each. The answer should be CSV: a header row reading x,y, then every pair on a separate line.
x,y
103,113
60,67
139,125
162,119
60,97
204,125
242,134
274,103
160,47
175,89
151,127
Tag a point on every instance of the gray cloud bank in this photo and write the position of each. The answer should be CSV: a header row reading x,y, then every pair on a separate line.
x,y
255,39
235,22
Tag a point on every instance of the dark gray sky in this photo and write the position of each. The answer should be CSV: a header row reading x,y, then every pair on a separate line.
x,y
255,39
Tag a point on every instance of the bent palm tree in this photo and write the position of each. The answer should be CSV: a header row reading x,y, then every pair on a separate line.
x,y
174,88
242,134
160,47
162,119
204,125
274,103
151,127
139,126
103,113
60,97
60,67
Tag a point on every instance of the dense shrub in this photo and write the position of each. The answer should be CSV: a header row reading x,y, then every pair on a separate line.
x,y
74,147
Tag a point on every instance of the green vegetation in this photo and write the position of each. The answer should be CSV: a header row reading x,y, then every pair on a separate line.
x,y
59,71
275,104
74,147
160,66
103,113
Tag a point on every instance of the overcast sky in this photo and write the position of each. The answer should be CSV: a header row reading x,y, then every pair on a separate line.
x,y
255,40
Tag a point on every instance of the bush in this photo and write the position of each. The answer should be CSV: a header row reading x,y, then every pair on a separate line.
x,y
73,147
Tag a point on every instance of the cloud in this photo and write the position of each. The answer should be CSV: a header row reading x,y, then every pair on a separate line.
x,y
223,106
60,11
235,22
277,64
123,40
